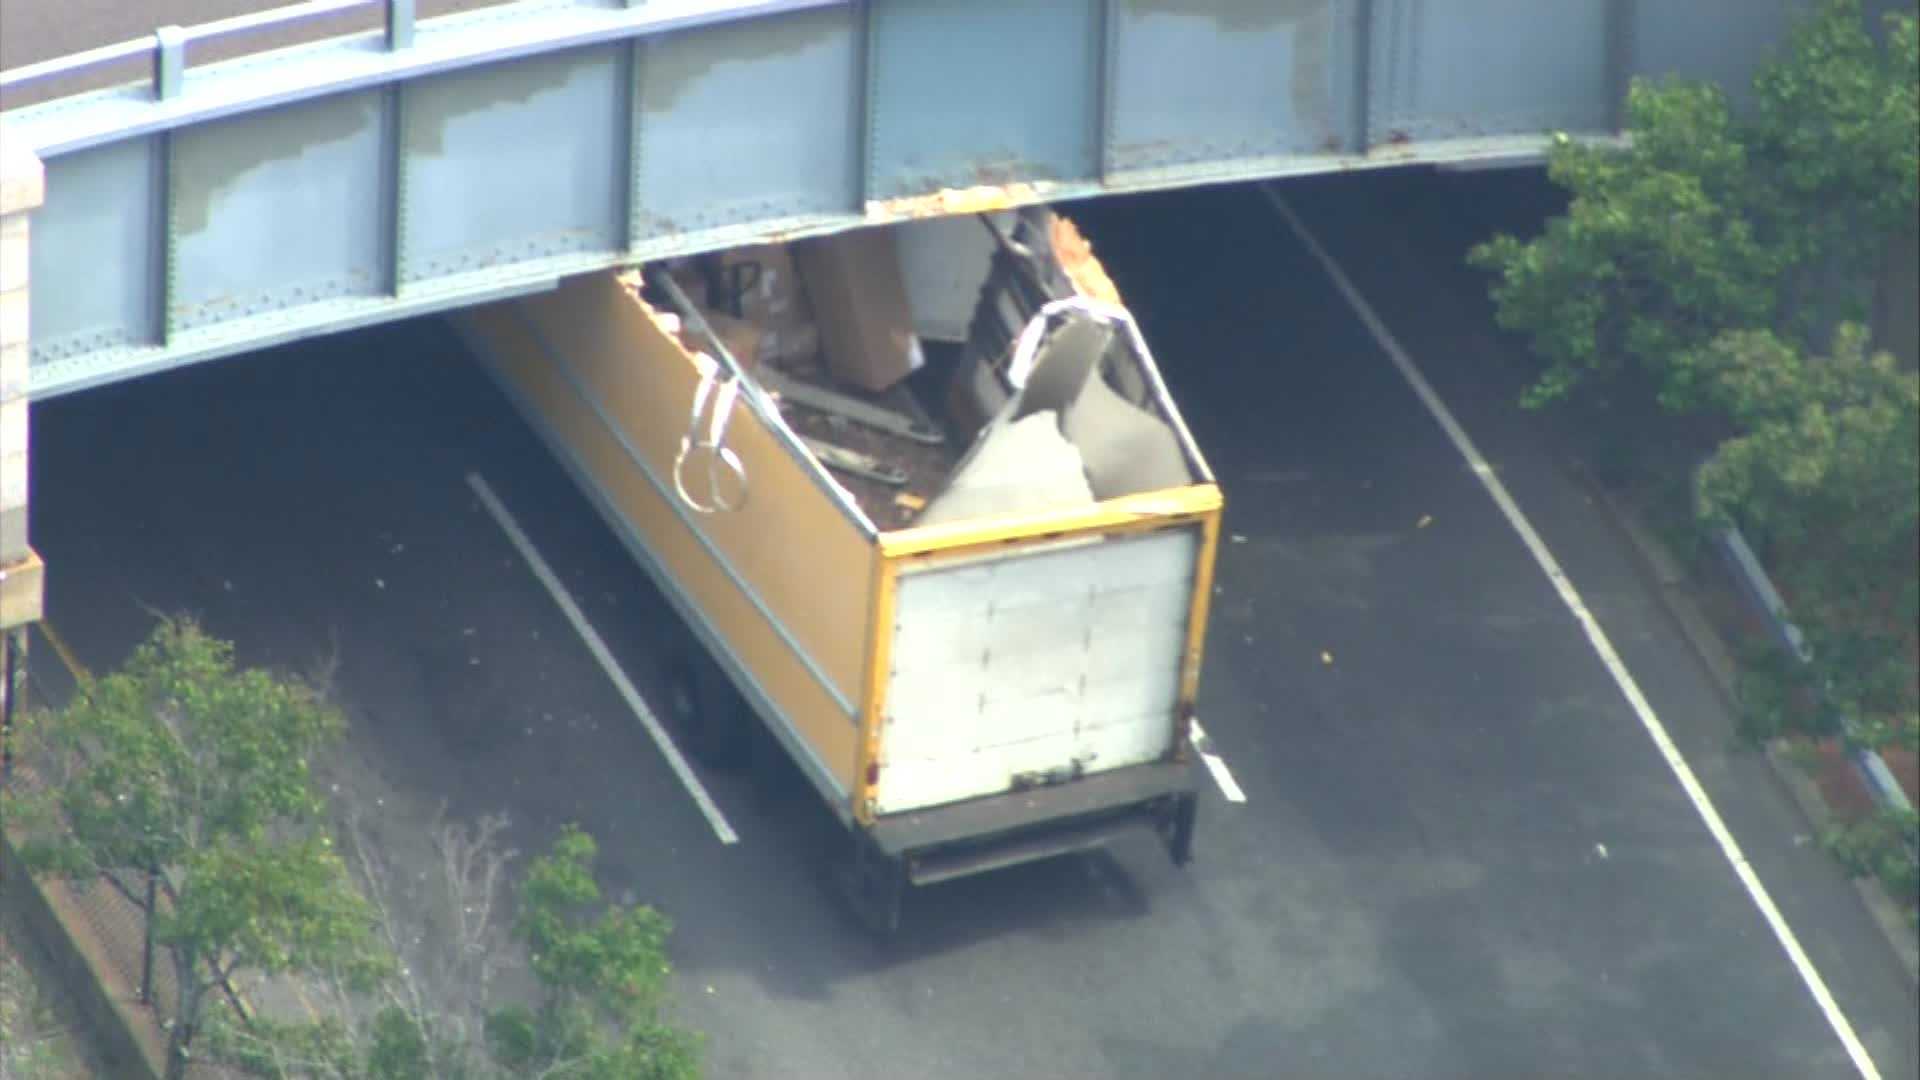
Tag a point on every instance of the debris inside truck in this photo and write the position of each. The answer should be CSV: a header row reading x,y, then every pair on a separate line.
x,y
1045,398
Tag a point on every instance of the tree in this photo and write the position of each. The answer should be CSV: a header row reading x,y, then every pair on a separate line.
x,y
602,974
1825,472
1703,265
1711,222
183,766
600,978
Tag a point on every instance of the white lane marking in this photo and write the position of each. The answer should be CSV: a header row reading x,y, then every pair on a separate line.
x,y
1216,765
1595,635
600,653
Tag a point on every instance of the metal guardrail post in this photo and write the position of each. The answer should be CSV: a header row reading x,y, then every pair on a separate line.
x,y
146,950
169,62
1759,591
1623,17
400,19
1360,107
167,46
10,644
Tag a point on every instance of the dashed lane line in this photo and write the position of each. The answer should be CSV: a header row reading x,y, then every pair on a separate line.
x,y
598,648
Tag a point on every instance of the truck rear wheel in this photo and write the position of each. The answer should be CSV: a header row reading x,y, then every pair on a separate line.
x,y
708,710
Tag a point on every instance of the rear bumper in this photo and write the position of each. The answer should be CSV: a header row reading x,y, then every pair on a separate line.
x,y
1002,830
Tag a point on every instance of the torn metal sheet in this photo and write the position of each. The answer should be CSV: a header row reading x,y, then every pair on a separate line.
x,y
1019,466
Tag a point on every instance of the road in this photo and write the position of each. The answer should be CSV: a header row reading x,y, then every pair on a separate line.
x,y
1461,856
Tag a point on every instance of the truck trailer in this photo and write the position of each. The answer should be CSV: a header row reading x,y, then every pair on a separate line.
x,y
928,512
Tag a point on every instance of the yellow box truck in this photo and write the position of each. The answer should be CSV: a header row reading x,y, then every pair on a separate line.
x,y
973,617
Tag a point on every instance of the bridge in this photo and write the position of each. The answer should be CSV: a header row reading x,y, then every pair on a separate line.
x,y
430,163
218,206
426,164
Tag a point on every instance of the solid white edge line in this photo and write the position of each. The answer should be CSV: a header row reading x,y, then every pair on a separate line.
x,y
1595,635
605,658
1216,765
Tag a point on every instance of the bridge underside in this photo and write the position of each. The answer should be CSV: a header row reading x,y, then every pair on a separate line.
x,y
353,182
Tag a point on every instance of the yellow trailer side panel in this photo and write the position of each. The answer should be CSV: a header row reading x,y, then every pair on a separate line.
x,y
788,544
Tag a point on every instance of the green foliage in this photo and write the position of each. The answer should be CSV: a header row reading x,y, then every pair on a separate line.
x,y
1653,257
1837,121
603,977
1824,475
390,1046
1702,265
1882,846
602,980
178,752
1710,222
400,1050
33,1043
184,764
1826,441
269,907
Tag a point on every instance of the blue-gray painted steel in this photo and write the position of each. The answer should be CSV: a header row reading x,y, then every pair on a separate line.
x,y
399,24
276,210
746,123
1226,79
1448,71
104,204
514,162
345,182
987,92
494,35
169,62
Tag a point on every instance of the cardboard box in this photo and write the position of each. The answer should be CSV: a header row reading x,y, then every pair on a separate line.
x,y
760,285
789,344
859,303
762,280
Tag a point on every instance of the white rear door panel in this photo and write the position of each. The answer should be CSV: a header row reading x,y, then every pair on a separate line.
x,y
1030,663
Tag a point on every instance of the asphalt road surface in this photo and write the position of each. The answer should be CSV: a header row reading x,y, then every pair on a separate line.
x,y
1461,855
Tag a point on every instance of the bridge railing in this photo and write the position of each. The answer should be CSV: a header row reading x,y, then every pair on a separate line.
x,y
611,132
167,46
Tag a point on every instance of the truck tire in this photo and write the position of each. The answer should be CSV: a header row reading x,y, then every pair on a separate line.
x,y
708,710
